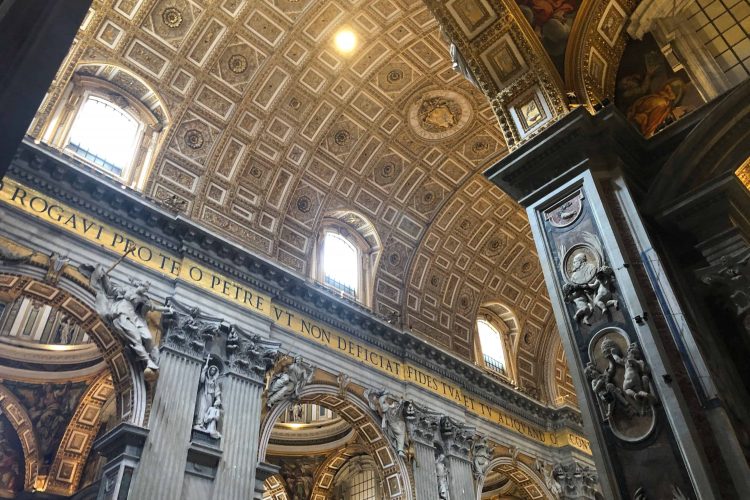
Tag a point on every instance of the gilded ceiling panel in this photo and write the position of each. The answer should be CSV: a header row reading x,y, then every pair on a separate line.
x,y
270,129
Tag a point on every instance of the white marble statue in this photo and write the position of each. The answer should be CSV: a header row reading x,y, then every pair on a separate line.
x,y
208,408
289,380
481,457
124,308
441,471
391,411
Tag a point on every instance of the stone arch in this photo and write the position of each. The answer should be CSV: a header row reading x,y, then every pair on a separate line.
x,y
326,473
78,302
559,383
274,489
520,474
75,446
21,423
396,475
594,50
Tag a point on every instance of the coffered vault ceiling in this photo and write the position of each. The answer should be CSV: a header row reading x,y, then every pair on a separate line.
x,y
269,129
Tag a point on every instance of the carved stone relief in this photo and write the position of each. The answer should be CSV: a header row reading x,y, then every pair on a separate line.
x,y
567,212
481,453
622,385
588,281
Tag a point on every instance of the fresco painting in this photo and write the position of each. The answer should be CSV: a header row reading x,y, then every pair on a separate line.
x,y
648,92
552,21
11,460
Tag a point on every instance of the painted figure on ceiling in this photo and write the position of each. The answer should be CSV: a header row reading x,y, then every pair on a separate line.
x,y
9,461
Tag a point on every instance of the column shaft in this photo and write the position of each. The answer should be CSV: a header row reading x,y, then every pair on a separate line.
x,y
460,478
425,480
162,468
235,477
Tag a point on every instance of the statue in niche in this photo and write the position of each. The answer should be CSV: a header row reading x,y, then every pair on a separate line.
x,y
290,378
441,471
393,417
588,281
124,309
208,413
481,453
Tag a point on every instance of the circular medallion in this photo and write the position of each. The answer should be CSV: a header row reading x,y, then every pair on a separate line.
x,y
237,63
581,264
303,204
194,138
395,75
439,114
172,17
341,137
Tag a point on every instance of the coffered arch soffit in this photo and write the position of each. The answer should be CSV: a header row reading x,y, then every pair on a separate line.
x,y
271,129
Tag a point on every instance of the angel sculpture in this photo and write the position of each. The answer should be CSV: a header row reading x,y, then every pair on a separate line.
x,y
124,309
391,411
481,452
588,281
290,378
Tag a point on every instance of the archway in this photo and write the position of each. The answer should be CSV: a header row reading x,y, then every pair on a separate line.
x,y
397,482
78,305
520,475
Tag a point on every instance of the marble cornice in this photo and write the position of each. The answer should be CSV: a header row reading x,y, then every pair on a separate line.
x,y
47,171
582,141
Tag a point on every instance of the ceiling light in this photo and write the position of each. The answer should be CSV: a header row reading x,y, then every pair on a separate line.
x,y
345,40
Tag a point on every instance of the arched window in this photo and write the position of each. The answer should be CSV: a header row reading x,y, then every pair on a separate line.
x,y
491,344
358,479
347,254
340,264
495,340
114,129
105,135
